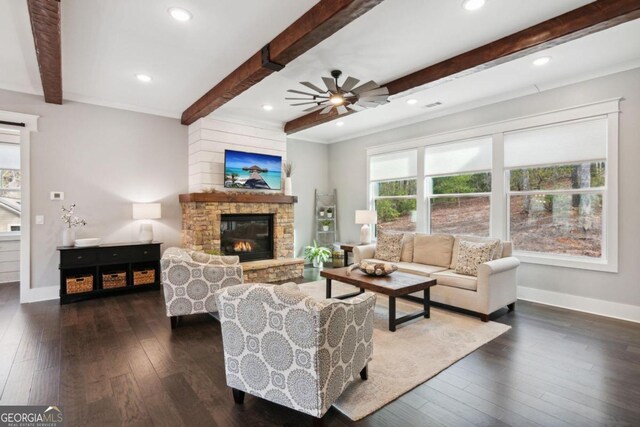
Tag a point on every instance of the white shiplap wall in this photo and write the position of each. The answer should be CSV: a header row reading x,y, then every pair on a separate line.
x,y
208,138
9,261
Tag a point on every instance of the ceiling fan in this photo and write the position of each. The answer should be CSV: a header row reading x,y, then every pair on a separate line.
x,y
367,95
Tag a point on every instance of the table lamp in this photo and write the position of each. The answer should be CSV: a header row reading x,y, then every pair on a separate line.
x,y
146,211
365,218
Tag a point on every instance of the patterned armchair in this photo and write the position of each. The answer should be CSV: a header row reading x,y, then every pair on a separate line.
x,y
190,278
291,349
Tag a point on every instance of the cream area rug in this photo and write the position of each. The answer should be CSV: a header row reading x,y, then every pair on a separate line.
x,y
404,359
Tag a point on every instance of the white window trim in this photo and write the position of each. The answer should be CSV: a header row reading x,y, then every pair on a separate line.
x,y
499,216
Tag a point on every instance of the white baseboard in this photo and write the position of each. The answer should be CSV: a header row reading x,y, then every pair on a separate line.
x,y
588,305
40,294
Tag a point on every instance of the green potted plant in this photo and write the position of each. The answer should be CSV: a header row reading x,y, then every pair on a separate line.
x,y
325,224
330,213
317,254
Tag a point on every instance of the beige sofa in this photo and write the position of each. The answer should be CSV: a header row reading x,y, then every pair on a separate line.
x,y
493,288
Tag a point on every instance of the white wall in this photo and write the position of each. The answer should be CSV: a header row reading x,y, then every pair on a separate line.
x,y
311,172
103,159
209,138
347,169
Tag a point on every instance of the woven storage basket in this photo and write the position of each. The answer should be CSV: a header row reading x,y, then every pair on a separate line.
x,y
79,284
114,280
144,277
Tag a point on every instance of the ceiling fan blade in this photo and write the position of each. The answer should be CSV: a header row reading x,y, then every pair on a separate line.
x,y
312,109
349,84
379,98
378,91
326,109
313,87
341,109
356,107
301,93
330,83
303,103
298,99
370,85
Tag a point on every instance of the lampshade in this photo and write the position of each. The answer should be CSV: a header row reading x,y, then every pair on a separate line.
x,y
147,211
366,217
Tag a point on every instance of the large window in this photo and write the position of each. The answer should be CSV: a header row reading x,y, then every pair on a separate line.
x,y
557,187
458,187
9,183
548,183
393,189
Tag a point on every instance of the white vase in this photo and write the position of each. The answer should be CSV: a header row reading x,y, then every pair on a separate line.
x,y
329,214
288,189
325,228
317,264
68,237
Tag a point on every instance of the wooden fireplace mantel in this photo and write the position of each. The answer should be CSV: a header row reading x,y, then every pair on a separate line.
x,y
236,197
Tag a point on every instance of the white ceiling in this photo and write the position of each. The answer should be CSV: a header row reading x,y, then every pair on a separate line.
x,y
105,43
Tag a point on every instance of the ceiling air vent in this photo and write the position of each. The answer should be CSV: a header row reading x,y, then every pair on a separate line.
x,y
433,104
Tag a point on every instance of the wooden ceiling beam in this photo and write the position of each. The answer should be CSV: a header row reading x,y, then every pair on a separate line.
x,y
45,25
580,22
318,23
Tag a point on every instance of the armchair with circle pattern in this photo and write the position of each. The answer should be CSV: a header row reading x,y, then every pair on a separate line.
x,y
289,348
190,278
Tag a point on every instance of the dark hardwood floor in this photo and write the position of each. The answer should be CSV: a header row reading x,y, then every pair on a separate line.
x,y
115,361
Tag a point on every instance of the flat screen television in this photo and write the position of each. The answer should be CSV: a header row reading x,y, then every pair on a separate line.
x,y
252,171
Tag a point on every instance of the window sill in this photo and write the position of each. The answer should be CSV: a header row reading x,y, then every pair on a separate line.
x,y
582,263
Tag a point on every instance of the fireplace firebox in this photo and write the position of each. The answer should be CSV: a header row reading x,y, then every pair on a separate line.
x,y
248,236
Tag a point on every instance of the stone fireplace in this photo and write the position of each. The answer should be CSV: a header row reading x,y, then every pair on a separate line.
x,y
256,227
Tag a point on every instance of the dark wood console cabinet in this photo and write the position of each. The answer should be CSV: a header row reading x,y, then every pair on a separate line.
x,y
97,261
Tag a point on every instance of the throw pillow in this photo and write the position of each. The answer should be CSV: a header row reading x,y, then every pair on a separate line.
x,y
432,249
475,239
407,247
472,254
388,246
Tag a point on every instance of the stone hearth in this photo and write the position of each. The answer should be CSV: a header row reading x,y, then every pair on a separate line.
x,y
201,213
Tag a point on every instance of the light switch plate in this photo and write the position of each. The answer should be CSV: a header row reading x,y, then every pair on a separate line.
x,y
39,219
57,195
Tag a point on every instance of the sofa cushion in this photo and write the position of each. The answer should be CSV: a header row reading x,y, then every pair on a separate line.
x,y
433,249
471,255
476,239
407,247
414,267
454,280
388,246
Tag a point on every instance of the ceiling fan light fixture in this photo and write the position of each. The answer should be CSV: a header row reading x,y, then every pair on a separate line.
x,y
337,99
472,5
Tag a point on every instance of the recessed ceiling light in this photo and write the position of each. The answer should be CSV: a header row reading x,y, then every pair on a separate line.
x,y
340,123
267,107
473,4
180,14
543,60
143,78
412,101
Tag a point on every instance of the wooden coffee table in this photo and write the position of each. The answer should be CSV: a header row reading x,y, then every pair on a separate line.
x,y
395,285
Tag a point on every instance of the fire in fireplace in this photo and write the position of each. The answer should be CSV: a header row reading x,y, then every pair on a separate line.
x,y
248,236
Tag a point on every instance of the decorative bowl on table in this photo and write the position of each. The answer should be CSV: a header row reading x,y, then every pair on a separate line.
x,y
84,243
372,268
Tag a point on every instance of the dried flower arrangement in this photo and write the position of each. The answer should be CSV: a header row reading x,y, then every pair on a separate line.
x,y
69,219
287,168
